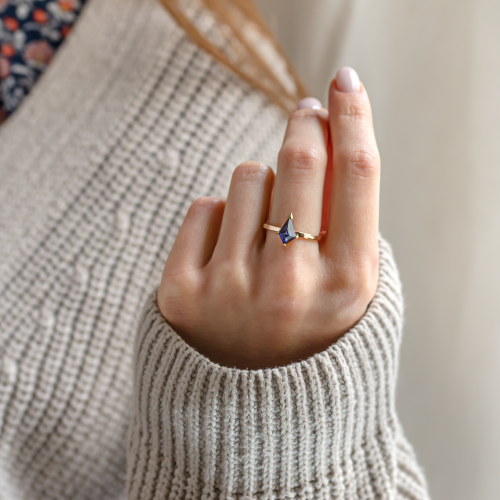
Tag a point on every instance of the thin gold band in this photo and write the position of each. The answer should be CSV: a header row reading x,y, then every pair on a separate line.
x,y
299,234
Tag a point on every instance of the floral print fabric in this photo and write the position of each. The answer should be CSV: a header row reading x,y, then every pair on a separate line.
x,y
30,33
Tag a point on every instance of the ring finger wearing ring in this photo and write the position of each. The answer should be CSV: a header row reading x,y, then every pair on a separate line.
x,y
300,178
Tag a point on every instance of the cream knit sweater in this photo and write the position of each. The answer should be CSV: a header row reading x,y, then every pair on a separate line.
x,y
127,127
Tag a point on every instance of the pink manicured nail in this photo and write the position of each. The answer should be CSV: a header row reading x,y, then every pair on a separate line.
x,y
310,103
347,80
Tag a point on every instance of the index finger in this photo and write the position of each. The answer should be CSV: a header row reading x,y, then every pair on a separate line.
x,y
352,234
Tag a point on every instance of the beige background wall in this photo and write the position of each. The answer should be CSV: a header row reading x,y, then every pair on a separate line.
x,y
432,69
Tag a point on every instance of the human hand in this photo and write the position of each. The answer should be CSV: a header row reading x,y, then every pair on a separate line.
x,y
233,292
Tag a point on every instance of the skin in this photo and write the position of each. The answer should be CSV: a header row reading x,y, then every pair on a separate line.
x,y
231,289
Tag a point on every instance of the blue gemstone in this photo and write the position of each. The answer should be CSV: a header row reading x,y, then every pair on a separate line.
x,y
287,232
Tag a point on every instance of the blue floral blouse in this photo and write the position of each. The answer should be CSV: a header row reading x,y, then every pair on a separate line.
x,y
30,33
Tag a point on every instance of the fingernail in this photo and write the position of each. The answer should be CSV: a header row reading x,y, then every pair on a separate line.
x,y
347,80
310,103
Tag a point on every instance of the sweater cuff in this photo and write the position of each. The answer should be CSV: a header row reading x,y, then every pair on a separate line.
x,y
324,427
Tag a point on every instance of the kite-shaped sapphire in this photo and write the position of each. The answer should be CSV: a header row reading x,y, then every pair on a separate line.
x,y
287,233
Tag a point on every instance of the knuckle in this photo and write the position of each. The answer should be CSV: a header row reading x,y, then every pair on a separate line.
x,y
291,280
179,285
251,171
303,156
174,291
229,280
290,295
358,282
287,311
362,162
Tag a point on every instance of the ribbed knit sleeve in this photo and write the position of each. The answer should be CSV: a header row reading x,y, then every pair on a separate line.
x,y
325,427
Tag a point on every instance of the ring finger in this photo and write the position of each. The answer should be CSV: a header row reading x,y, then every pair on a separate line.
x,y
300,176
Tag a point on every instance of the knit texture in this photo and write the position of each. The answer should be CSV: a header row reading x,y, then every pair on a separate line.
x,y
129,124
324,428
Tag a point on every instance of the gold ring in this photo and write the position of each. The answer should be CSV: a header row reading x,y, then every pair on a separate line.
x,y
287,233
